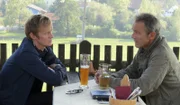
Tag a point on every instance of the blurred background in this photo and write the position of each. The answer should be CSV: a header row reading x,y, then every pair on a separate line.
x,y
98,21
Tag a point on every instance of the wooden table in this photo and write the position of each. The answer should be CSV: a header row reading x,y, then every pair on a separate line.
x,y
61,98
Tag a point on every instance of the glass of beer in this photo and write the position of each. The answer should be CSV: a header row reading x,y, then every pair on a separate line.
x,y
84,70
104,77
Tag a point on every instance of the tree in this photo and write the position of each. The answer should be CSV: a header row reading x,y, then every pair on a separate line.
x,y
149,6
122,19
16,11
69,17
100,20
173,32
41,3
119,5
101,1
154,8
99,14
169,24
3,8
169,3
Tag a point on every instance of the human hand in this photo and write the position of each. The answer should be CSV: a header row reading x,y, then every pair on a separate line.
x,y
96,76
91,69
52,66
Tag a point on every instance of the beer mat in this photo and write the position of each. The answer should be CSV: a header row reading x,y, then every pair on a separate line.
x,y
100,94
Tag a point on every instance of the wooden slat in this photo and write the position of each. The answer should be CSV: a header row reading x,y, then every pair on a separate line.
x,y
129,54
96,56
72,58
14,47
3,54
176,51
118,57
49,87
84,48
107,52
61,52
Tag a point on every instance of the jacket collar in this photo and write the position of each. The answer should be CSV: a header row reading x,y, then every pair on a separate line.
x,y
28,45
155,43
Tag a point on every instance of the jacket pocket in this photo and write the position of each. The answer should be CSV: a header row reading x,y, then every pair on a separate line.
x,y
155,98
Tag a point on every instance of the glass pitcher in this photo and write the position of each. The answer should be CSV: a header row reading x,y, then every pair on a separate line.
x,y
104,77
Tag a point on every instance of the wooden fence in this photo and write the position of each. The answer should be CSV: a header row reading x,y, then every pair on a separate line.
x,y
84,47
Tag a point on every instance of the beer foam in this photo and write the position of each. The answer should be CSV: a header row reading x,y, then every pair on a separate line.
x,y
84,66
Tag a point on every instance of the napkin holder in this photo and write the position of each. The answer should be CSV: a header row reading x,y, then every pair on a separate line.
x,y
113,101
124,82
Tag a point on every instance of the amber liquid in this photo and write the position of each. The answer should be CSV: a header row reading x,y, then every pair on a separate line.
x,y
104,82
84,74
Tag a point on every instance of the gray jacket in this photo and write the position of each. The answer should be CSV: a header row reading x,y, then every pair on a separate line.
x,y
156,71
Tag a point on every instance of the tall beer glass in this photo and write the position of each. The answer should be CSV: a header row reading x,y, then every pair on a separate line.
x,y
84,70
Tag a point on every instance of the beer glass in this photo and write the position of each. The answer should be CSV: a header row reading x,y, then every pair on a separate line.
x,y
104,77
84,70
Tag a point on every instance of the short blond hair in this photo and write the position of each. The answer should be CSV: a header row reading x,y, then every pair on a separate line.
x,y
33,24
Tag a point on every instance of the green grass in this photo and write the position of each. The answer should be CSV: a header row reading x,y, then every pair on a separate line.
x,y
11,34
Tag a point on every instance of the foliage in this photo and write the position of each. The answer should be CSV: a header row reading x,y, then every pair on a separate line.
x,y
16,12
99,14
169,3
176,24
114,32
41,3
92,30
123,21
100,20
102,1
119,6
69,14
101,32
172,31
1,21
149,6
125,34
104,18
2,8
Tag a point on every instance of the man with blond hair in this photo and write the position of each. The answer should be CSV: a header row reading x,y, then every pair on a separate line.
x,y
33,63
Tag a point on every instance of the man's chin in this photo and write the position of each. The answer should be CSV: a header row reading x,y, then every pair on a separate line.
x,y
49,45
137,46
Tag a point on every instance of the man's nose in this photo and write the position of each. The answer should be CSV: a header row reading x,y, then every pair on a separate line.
x,y
51,35
133,36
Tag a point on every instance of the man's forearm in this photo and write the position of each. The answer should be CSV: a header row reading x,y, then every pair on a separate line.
x,y
114,82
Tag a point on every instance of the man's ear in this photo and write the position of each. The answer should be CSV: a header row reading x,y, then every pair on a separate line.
x,y
152,35
32,36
